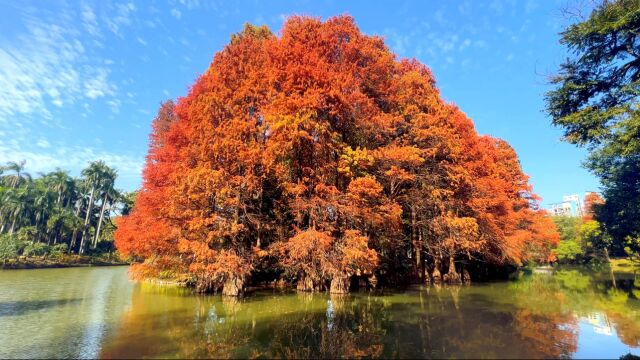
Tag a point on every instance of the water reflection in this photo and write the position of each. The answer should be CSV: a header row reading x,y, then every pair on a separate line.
x,y
53,313
570,313
536,316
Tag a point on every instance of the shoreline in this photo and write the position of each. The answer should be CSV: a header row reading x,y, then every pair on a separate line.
x,y
75,261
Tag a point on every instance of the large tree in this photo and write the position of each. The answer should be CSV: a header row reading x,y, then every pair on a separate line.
x,y
595,102
321,154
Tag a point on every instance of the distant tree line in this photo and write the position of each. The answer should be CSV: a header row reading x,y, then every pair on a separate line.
x,y
56,213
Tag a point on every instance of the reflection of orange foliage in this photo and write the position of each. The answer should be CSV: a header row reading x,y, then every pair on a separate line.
x,y
317,135
553,334
627,327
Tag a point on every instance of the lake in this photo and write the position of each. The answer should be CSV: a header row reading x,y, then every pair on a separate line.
x,y
99,312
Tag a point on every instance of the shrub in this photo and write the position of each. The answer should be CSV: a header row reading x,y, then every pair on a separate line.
x,y
10,247
58,250
36,249
568,251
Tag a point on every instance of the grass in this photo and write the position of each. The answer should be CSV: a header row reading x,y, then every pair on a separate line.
x,y
624,265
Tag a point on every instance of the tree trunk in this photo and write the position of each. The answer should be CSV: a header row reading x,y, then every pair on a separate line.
x,y
234,286
72,241
613,278
306,283
416,245
13,226
97,235
466,277
340,285
452,276
86,220
373,281
436,275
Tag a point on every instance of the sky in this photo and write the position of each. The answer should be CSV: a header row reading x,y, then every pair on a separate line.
x,y
81,81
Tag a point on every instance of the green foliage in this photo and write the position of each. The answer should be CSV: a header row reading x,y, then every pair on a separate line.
x,y
36,249
579,239
27,234
570,248
631,248
10,247
592,235
103,247
128,199
58,250
568,251
568,226
596,103
56,208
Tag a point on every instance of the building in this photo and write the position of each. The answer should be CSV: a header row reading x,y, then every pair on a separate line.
x,y
571,205
561,209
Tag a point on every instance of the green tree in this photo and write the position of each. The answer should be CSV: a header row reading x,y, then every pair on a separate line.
x,y
9,248
93,175
18,175
595,102
110,194
49,209
571,246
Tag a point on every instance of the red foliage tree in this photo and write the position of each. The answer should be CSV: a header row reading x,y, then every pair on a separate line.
x,y
319,149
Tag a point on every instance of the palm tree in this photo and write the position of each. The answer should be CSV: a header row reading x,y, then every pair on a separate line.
x,y
93,174
18,176
15,205
43,205
60,182
109,194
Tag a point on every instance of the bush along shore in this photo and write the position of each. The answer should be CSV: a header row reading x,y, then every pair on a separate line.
x,y
56,220
17,254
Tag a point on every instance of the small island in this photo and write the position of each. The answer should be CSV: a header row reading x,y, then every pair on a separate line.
x,y
314,192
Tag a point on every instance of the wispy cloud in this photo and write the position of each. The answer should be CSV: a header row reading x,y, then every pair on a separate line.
x,y
121,18
74,159
176,13
48,65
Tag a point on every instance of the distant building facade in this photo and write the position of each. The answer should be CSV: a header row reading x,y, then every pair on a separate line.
x,y
571,205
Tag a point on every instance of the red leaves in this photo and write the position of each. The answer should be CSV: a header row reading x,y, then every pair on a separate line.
x,y
322,150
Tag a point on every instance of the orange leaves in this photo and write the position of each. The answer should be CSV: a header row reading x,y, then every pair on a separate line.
x,y
365,189
402,155
463,234
355,255
323,148
307,253
320,256
354,162
591,202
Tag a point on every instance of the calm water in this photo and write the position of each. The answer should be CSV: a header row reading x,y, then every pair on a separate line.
x,y
98,312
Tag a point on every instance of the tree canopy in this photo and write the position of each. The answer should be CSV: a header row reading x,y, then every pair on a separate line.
x,y
319,156
56,212
595,102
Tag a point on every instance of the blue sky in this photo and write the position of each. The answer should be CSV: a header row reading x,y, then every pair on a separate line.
x,y
81,81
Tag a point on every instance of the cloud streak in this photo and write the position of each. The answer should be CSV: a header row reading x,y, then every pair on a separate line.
x,y
49,66
73,158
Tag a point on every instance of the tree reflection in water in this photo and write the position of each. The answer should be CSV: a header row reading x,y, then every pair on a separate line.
x,y
536,316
